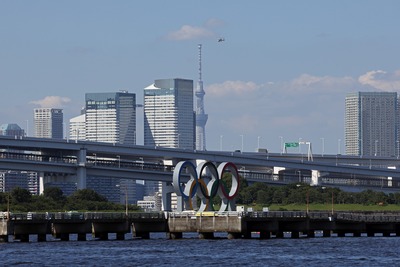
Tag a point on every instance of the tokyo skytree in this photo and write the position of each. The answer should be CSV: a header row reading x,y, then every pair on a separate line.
x,y
201,117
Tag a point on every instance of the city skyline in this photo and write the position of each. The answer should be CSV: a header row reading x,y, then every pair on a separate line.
x,y
282,73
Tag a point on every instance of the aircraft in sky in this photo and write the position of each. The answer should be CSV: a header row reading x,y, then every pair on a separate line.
x,y
221,40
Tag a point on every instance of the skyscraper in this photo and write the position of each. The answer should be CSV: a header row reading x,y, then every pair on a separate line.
x,y
48,123
371,124
12,179
111,117
77,127
169,119
11,129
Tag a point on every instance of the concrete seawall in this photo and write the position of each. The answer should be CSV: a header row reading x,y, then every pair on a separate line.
x,y
234,224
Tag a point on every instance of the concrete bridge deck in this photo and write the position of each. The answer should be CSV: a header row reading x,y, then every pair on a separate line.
x,y
236,224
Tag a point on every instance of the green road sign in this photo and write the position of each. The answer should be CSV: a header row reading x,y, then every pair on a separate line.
x,y
293,144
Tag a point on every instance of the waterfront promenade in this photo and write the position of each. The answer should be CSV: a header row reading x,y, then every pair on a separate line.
x,y
273,224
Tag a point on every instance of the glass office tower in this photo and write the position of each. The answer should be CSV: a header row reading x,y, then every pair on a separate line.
x,y
111,117
371,124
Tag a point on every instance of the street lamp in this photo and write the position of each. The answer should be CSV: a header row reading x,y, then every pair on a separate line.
x,y
281,137
126,198
323,145
8,206
376,147
300,145
307,198
339,145
332,199
299,175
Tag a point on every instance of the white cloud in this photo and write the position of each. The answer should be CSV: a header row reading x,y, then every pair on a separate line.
x,y
309,106
52,102
211,23
232,87
382,80
243,123
309,83
187,32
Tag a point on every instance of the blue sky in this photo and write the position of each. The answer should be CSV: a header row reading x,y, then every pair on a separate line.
x,y
282,73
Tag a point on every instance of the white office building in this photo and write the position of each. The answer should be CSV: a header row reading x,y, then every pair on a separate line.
x,y
48,123
77,127
111,117
169,119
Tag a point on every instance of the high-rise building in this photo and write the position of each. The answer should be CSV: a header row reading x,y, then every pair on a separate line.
x,y
371,124
169,119
111,117
12,179
48,123
11,129
77,127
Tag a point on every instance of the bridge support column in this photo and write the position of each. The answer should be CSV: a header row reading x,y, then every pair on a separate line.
x,y
315,177
174,235
233,235
310,233
41,237
279,234
81,236
357,234
41,182
81,170
179,203
265,235
208,235
120,236
3,238
277,170
326,233
167,189
295,234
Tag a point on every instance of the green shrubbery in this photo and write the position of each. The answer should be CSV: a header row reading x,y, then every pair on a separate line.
x,y
263,194
53,199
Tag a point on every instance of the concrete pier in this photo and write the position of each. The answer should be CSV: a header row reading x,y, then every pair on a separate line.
x,y
235,224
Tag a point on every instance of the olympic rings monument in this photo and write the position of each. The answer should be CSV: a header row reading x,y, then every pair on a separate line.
x,y
201,184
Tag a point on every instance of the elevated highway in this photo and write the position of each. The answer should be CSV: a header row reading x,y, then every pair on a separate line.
x,y
80,159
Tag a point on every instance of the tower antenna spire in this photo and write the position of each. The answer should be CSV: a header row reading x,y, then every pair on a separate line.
x,y
201,117
200,62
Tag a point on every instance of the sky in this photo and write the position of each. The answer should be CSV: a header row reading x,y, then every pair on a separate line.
x,y
281,75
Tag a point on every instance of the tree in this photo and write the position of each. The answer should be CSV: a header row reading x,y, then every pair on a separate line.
x,y
88,195
54,193
20,195
263,197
